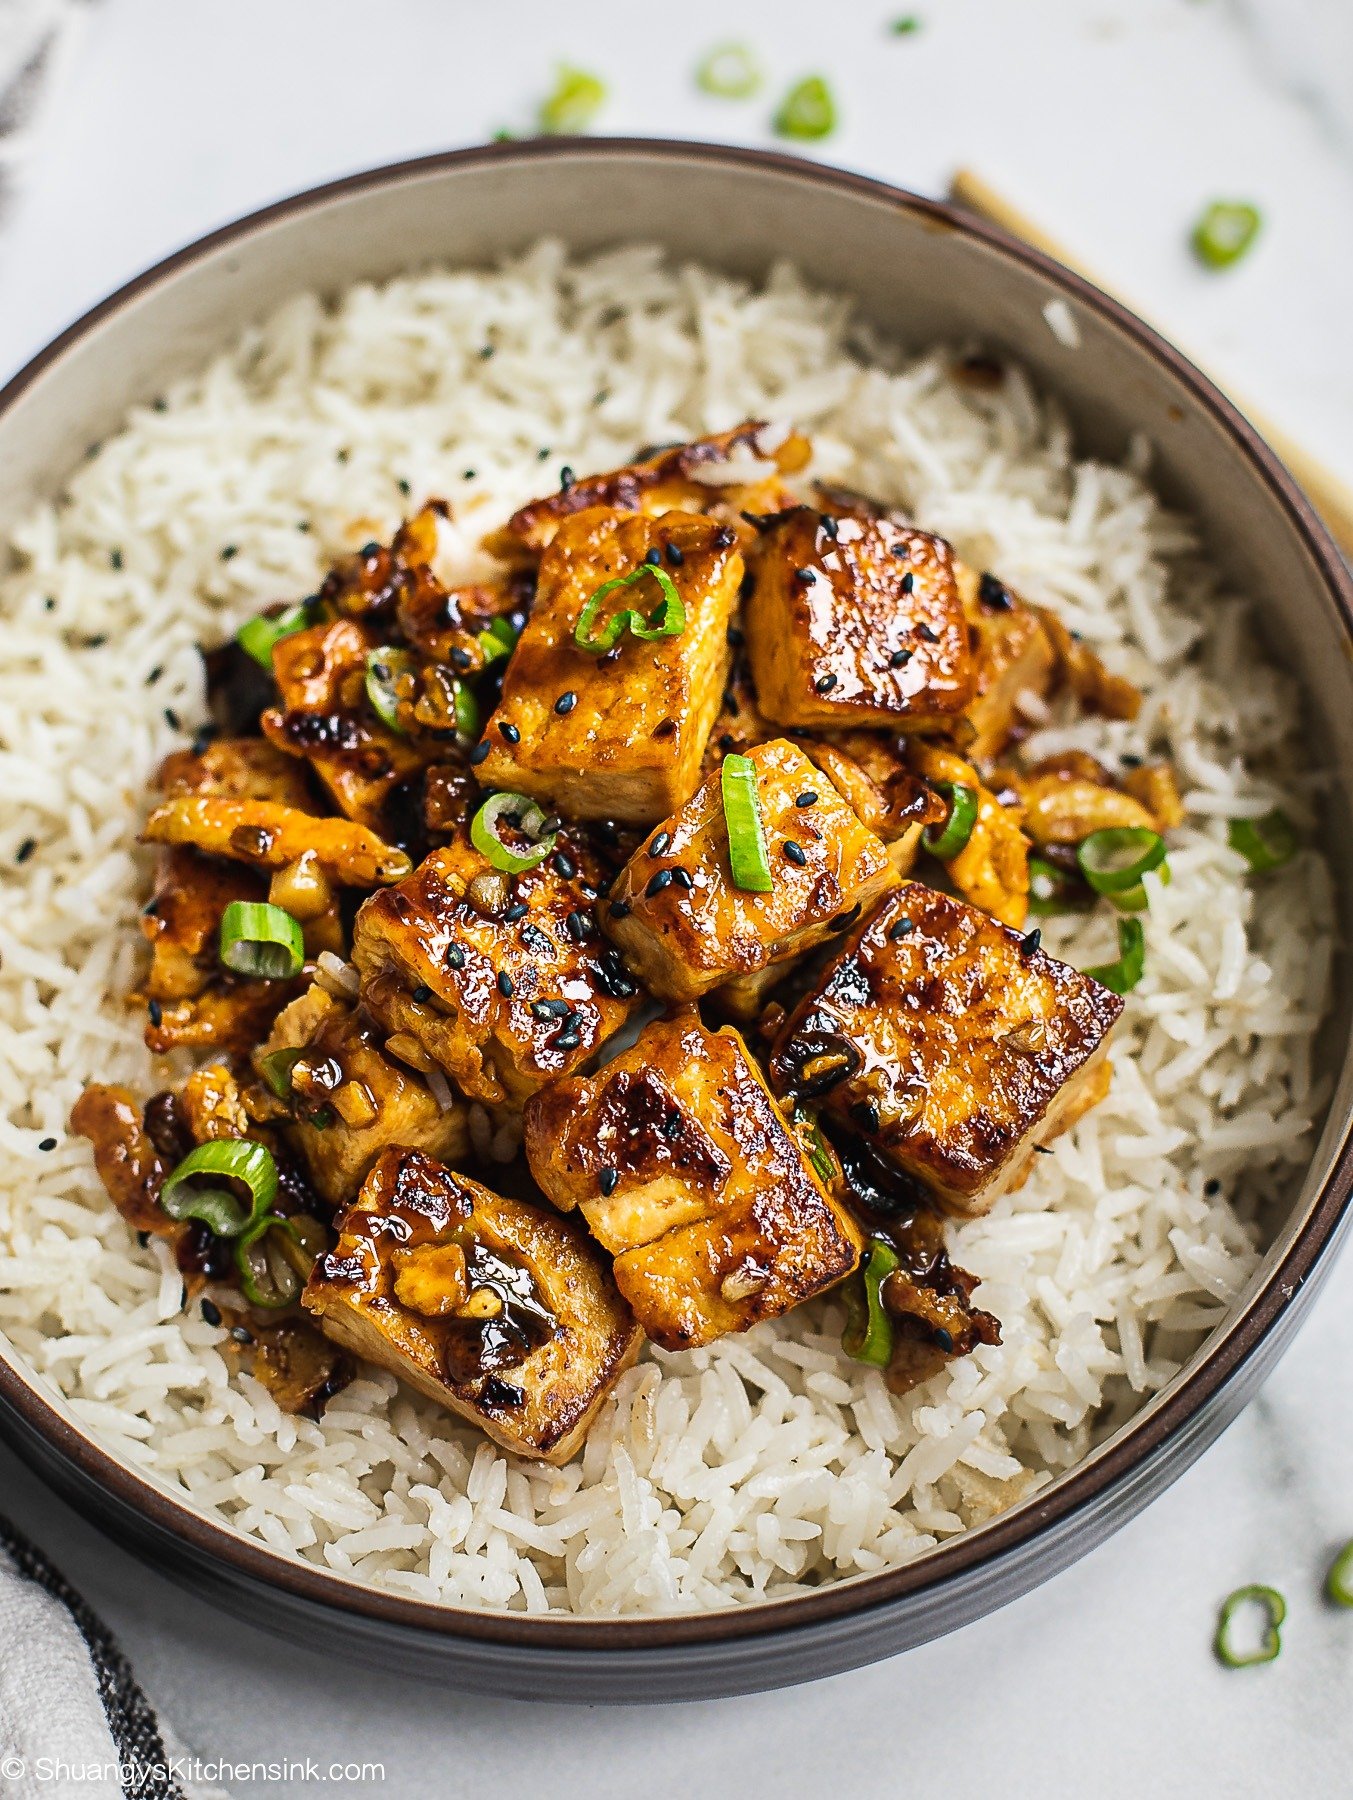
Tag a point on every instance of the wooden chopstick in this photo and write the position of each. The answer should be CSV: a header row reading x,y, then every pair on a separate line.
x,y
1328,493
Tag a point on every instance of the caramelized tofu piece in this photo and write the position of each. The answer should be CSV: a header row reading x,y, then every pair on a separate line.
x,y
684,937
128,1162
229,1017
182,924
992,868
269,836
500,1000
349,1101
857,621
620,735
871,772
503,1312
1013,654
1064,802
950,1043
686,1170
237,769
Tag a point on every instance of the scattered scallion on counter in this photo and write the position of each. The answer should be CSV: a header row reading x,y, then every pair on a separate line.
x,y
1122,976
904,26
1265,843
667,619
1225,232
1339,1581
730,72
807,112
258,635
261,940
746,835
386,666
868,1336
953,835
1114,860
520,811
573,103
1270,1643
189,1193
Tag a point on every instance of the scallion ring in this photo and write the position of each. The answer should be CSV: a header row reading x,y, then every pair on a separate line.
x,y
807,111
276,1068
268,1277
257,636
486,835
467,713
187,1193
1339,1581
386,667
573,103
1113,861
497,640
1122,976
260,939
1265,843
1270,1643
1225,232
1052,890
957,829
746,836
729,72
668,619
868,1336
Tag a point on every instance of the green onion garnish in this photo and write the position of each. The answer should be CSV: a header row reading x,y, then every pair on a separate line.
x,y
385,668
1052,890
868,1337
904,26
807,111
824,1163
497,640
267,1275
668,619
573,103
263,940
1122,976
1269,1644
1225,232
1113,861
257,636
527,818
276,1068
1265,843
467,713
730,71
742,814
957,829
1339,1581
238,1159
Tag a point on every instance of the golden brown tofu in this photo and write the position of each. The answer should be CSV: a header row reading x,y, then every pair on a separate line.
x,y
949,1042
238,769
128,1163
686,928
228,1017
182,923
870,771
348,1100
503,1312
269,836
856,621
992,868
501,1001
619,735
686,1169
1012,655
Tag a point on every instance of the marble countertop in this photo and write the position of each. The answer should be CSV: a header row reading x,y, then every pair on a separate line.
x,y
1113,121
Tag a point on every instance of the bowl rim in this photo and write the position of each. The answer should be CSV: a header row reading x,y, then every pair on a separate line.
x,y
1160,1421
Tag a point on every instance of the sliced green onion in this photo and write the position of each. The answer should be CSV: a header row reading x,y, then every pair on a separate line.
x,y
260,939
904,26
497,640
385,667
1122,976
1113,861
267,1275
1052,890
746,837
1225,232
276,1068
807,111
184,1196
1265,843
730,72
1270,1643
1339,1581
668,619
487,839
868,1336
957,829
467,713
824,1163
573,103
257,636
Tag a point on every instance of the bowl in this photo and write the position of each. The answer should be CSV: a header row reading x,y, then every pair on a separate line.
x,y
919,272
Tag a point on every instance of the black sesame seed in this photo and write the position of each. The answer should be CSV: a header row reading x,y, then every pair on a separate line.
x,y
653,557
479,752
25,850
994,593
47,1144
241,1334
725,536
620,909
564,865
468,474
566,478
403,487
543,454
506,986
455,957
735,637
143,1238
900,928
944,1340
211,1312
229,550
116,559
508,732
550,1009
899,659
1132,762
154,1012
1042,1150
1027,945
460,658
726,741
661,844
829,525
421,993
683,878
499,1393
674,555
513,913
805,576
567,1040
369,550
796,853
825,683
577,925
154,675
806,798
172,719
303,525
927,632
908,582
661,880
1212,1187
607,1179
566,702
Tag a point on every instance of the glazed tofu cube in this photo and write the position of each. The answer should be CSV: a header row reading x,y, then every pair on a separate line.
x,y
871,773
857,620
503,1312
686,1170
349,1100
684,925
950,1043
240,768
1013,654
619,735
500,1000
183,921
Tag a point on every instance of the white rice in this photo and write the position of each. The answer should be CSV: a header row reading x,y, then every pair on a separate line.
x,y
769,1462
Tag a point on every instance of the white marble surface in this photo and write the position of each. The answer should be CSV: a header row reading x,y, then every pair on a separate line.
x,y
1113,121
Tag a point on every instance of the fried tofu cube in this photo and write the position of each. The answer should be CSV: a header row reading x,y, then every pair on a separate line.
x,y
183,921
1013,654
618,735
242,768
871,773
950,1043
500,1003
687,1171
349,1099
501,1311
685,937
857,620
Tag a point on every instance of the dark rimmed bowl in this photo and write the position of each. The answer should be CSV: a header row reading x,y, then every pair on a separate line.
x,y
919,272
